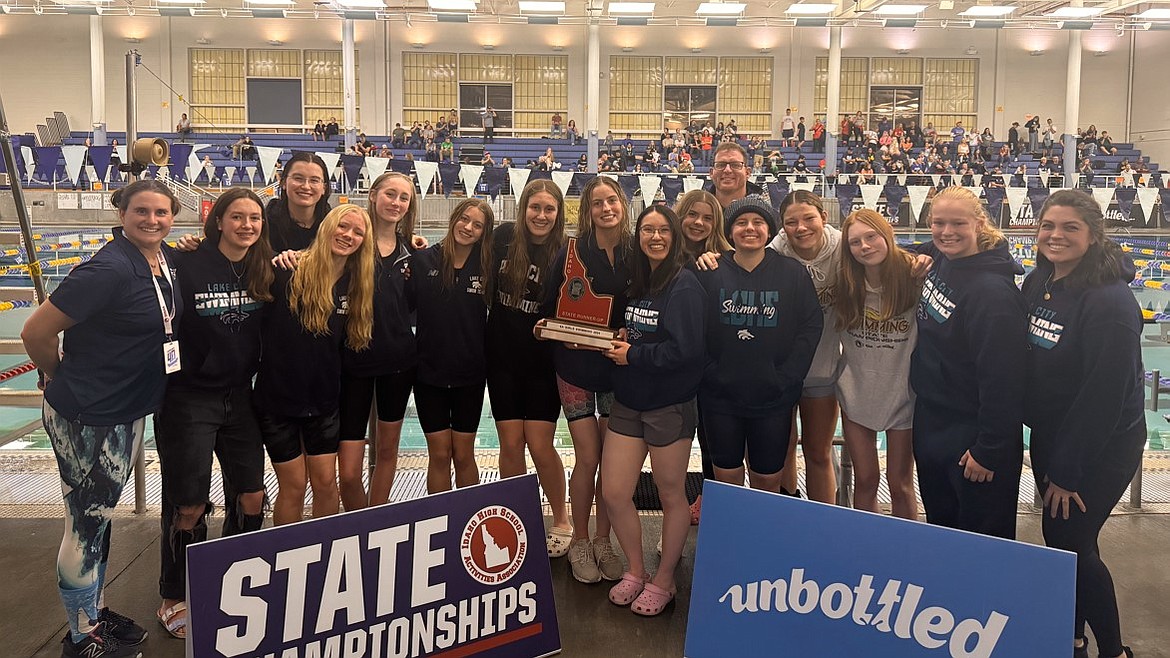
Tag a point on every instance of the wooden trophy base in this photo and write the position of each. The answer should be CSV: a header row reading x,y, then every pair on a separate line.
x,y
579,334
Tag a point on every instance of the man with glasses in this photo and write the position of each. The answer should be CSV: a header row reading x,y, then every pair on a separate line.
x,y
729,175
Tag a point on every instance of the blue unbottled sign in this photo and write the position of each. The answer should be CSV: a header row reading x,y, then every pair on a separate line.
x,y
778,576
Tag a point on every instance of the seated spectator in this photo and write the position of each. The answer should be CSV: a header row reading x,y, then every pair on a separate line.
x,y
1086,171
398,136
447,150
244,148
319,131
574,135
441,130
432,154
583,163
685,166
506,163
331,128
415,140
489,161
556,130
364,145
453,123
1105,144
428,132
385,151
183,127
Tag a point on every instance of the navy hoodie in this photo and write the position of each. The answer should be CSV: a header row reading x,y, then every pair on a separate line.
x,y
300,374
220,332
392,344
763,327
451,323
968,367
667,352
589,369
1085,398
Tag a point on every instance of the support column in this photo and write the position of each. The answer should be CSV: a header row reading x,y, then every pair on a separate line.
x,y
833,104
1072,104
97,81
592,94
349,83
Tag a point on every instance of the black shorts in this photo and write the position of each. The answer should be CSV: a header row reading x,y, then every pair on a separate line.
x,y
457,408
358,393
194,423
657,427
287,438
764,440
528,395
787,134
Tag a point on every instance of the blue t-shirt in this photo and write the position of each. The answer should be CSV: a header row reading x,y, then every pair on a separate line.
x,y
112,369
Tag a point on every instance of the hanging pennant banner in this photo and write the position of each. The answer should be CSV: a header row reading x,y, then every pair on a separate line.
x,y
807,186
1043,178
426,175
1146,197
470,174
1125,197
100,156
1103,195
74,159
649,185
902,179
846,193
1127,178
671,188
47,159
870,194
937,178
268,155
229,175
29,162
375,167
692,183
331,160
517,179
994,197
494,178
1015,199
122,154
977,179
977,191
917,194
251,171
562,179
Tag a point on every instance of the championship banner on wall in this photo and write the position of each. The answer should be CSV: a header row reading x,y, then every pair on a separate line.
x,y
460,573
1025,216
821,580
898,219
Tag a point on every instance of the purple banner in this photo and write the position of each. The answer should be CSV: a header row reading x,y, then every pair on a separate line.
x,y
454,574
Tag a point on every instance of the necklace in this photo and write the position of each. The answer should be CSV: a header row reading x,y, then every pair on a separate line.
x,y
1047,292
240,275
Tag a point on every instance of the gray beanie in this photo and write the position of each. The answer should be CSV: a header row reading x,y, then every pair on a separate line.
x,y
753,203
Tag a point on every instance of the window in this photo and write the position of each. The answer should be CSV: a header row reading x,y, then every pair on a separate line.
x,y
684,104
474,97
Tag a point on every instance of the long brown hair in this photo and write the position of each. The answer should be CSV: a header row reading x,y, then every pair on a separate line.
x,y
515,275
447,250
310,293
717,241
1104,262
405,229
585,214
899,289
988,236
258,260
650,283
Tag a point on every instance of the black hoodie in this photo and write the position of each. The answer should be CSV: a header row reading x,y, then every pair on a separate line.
x,y
451,323
1085,395
392,344
968,367
763,328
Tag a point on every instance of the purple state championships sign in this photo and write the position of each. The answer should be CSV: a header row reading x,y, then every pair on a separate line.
x,y
463,573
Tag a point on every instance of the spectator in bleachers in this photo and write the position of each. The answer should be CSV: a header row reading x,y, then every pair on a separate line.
x,y
885,125
916,136
801,132
930,135
244,148
1013,140
574,134
447,150
364,145
453,123
1105,144
506,163
733,129
556,127
415,140
1086,171
857,128
331,128
1033,126
441,130
1050,136
428,132
818,135
432,154
385,151
685,165
487,160
706,144
183,127
488,117
666,139
788,128
1088,147
319,131
608,143
398,136
730,175
958,134
986,141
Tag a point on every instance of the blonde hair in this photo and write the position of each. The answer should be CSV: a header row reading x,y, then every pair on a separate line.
x,y
406,224
988,236
310,293
900,291
585,214
717,241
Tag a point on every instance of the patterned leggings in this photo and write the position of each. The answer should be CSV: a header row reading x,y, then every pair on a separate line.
x,y
95,462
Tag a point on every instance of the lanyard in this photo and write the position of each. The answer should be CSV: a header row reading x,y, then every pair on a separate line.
x,y
167,314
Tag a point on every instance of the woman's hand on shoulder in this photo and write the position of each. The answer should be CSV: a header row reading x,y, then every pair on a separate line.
x,y
419,242
188,242
921,266
707,261
287,260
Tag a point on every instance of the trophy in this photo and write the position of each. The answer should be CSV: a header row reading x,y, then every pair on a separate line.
x,y
582,316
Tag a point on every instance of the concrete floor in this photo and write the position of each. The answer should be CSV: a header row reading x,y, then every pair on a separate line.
x,y
31,622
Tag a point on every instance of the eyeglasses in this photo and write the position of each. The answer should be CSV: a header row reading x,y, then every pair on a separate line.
x,y
301,180
650,231
734,166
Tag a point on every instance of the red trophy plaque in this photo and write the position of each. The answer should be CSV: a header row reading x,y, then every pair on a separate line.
x,y
582,316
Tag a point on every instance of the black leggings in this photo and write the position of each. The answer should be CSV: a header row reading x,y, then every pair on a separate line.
x,y
1096,597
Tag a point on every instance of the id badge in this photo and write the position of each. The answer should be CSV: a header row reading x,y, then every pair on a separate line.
x,y
171,362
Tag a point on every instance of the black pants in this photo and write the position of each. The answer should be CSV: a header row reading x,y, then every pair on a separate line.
x,y
1103,486
951,500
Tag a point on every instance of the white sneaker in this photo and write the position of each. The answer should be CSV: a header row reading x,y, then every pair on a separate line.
x,y
582,561
608,563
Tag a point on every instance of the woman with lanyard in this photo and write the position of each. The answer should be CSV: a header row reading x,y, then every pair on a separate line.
x,y
585,376
521,378
447,290
1085,396
968,372
385,370
702,227
208,405
326,302
119,312
660,357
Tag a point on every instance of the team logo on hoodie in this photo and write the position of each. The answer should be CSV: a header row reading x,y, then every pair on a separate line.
x,y
936,301
1043,332
748,308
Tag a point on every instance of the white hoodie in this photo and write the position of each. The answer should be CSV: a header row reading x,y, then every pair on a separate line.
x,y
823,269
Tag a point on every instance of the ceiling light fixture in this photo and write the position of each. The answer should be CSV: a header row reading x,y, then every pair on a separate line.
x,y
988,11
1075,12
541,7
720,9
451,5
899,10
811,9
631,7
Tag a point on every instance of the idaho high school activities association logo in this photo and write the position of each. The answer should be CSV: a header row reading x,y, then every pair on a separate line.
x,y
494,545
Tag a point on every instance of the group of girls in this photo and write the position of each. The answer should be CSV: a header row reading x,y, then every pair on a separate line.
x,y
755,340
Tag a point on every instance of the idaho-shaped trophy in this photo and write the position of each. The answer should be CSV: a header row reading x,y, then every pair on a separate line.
x,y
582,316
